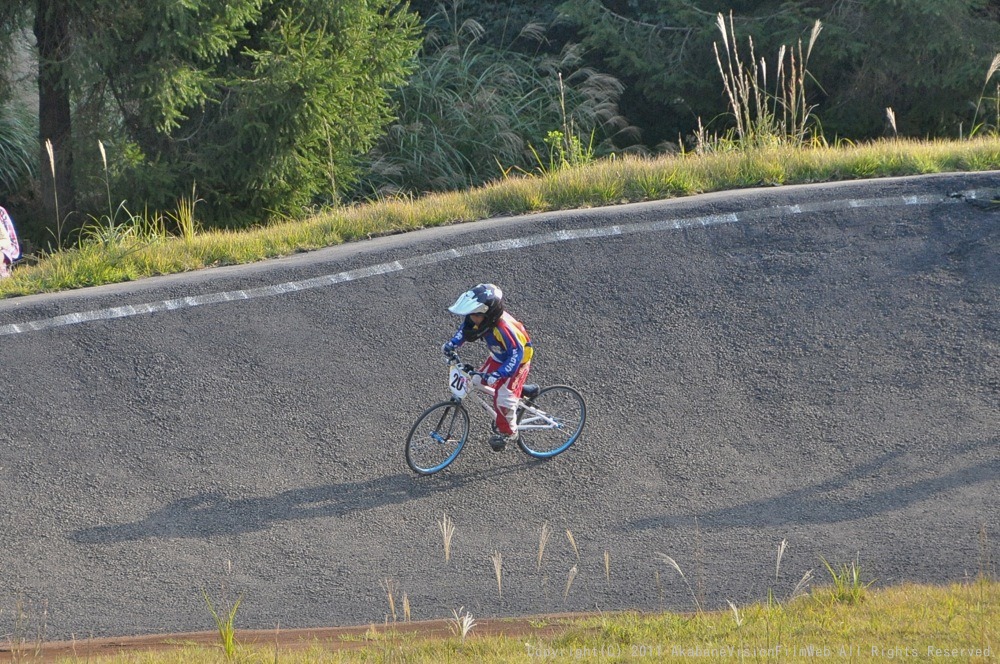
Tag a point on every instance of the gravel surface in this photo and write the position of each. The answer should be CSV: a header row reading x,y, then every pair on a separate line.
x,y
827,374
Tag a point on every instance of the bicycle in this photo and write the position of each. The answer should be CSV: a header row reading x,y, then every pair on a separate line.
x,y
550,419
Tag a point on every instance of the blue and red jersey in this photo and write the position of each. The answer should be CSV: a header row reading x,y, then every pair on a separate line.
x,y
508,341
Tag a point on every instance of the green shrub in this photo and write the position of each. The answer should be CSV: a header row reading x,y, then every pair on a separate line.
x,y
472,111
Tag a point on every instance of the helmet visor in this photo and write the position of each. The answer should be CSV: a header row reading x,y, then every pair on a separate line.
x,y
466,304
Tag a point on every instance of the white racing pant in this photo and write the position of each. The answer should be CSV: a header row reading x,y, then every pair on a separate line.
x,y
507,393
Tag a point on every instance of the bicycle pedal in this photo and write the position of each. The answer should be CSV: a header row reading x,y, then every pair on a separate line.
x,y
498,442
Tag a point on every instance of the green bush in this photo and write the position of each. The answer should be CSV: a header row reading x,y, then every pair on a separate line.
x,y
474,111
18,148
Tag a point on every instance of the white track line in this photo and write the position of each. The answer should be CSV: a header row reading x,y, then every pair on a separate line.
x,y
470,250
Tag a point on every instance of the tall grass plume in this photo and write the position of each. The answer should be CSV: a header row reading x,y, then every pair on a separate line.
x,y
447,528
673,563
497,559
543,539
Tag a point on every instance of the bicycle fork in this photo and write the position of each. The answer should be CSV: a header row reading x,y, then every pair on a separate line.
x,y
453,412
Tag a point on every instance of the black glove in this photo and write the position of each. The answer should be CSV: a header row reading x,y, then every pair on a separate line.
x,y
448,348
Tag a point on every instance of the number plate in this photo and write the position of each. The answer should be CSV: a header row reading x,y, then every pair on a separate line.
x,y
458,382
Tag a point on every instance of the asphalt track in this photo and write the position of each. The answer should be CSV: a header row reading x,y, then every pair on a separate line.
x,y
816,364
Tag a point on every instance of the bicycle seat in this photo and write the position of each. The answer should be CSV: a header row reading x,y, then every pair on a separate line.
x,y
530,391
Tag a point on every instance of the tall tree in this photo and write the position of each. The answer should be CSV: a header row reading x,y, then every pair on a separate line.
x,y
263,104
18,128
51,20
55,122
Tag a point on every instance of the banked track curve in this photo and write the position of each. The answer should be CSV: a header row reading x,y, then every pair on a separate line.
x,y
812,364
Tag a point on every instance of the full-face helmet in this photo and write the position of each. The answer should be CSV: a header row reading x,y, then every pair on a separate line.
x,y
486,299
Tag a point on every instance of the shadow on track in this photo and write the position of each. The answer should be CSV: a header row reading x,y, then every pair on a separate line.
x,y
211,513
825,502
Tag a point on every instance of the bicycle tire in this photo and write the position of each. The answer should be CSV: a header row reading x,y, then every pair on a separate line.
x,y
568,409
430,451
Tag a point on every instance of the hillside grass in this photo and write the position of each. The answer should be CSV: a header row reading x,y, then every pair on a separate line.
x,y
958,622
112,252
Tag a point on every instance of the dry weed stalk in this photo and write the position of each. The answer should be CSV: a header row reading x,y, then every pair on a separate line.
x,y
26,622
462,623
787,118
542,541
673,563
389,586
497,559
986,568
994,67
801,586
569,581
447,528
572,542
781,553
55,190
736,614
890,116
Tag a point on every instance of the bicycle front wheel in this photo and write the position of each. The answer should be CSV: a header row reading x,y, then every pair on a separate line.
x,y
552,422
437,437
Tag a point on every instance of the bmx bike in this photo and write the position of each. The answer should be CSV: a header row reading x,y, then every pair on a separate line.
x,y
550,419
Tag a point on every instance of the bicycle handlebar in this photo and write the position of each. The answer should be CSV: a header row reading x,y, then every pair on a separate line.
x,y
466,367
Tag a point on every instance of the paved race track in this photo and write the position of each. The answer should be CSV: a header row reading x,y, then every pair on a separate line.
x,y
817,364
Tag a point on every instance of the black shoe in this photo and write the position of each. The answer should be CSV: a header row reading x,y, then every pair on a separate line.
x,y
499,441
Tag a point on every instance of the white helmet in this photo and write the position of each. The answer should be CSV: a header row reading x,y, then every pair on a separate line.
x,y
486,299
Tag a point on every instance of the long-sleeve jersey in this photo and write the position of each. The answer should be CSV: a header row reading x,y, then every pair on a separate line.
x,y
10,249
508,342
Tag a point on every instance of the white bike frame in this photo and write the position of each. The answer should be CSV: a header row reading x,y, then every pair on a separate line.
x,y
461,385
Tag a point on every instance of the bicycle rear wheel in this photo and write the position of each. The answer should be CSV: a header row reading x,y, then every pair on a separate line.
x,y
552,422
437,437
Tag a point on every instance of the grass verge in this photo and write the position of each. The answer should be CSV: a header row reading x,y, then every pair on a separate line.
x,y
958,622
606,182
